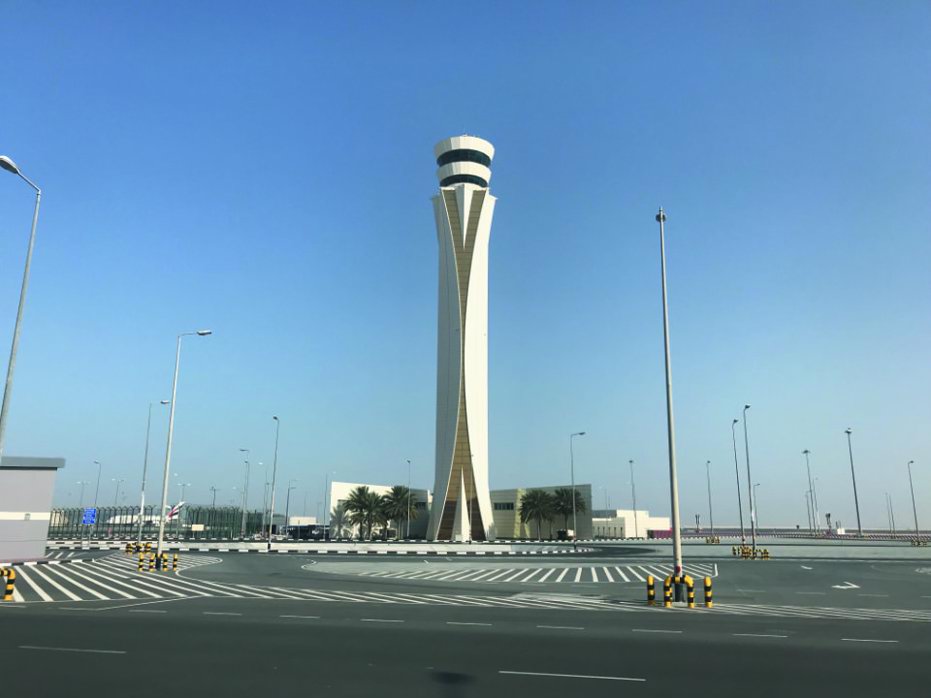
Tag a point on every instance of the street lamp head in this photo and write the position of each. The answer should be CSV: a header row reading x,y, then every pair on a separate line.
x,y
661,216
910,462
806,452
203,333
276,419
578,433
164,402
734,422
746,407
8,165
244,450
848,431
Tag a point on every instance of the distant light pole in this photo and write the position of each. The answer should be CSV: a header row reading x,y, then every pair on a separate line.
x,y
756,505
213,501
633,497
119,482
710,507
575,528
853,475
811,528
271,518
670,422
409,500
750,480
171,432
82,483
740,509
245,494
97,489
811,488
145,469
181,486
891,514
327,501
10,166
287,509
914,508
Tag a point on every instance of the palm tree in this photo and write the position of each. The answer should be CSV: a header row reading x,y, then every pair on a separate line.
x,y
536,505
365,510
563,504
339,519
397,503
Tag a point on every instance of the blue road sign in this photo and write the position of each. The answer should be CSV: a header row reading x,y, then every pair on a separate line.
x,y
90,516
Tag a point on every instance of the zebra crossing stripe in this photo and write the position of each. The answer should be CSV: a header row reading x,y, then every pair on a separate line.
x,y
72,597
622,575
594,574
578,574
499,575
544,577
35,587
564,572
483,574
57,571
607,574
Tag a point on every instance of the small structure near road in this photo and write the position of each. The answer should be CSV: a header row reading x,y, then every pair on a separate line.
x,y
26,487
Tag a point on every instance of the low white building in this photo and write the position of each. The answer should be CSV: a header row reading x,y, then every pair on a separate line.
x,y
627,523
338,519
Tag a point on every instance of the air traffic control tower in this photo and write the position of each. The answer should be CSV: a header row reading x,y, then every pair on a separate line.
x,y
463,209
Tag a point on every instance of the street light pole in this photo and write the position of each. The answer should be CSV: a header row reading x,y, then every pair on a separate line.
x,y
811,528
97,488
409,499
8,165
853,475
575,528
914,508
740,508
171,431
811,487
287,508
82,483
245,495
756,504
145,469
116,496
271,518
633,497
710,508
213,502
670,422
749,482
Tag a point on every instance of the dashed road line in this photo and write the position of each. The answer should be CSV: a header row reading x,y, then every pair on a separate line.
x,y
571,676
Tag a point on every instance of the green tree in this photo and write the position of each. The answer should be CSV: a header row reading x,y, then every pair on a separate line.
x,y
339,519
537,505
563,504
396,504
365,510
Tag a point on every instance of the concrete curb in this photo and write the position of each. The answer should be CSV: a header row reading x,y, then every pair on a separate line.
x,y
325,551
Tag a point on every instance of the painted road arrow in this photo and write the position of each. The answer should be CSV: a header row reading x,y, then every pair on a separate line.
x,y
845,585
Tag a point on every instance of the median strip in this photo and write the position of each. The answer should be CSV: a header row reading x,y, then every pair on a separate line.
x,y
70,649
649,630
561,627
380,620
756,635
855,639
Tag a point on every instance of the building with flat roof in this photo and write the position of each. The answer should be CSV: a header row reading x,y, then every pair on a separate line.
x,y
506,508
26,487
627,523
338,518
463,210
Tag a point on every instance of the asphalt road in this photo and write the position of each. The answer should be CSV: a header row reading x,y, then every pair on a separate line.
x,y
343,634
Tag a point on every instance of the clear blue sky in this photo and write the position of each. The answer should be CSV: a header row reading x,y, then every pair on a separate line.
x,y
265,171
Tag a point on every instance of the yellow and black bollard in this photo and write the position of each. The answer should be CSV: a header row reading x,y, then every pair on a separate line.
x,y
651,591
667,592
690,590
708,602
151,562
10,574
141,564
148,547
174,563
164,562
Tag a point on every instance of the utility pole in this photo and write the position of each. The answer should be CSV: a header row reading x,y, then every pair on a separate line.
x,y
853,475
710,507
633,497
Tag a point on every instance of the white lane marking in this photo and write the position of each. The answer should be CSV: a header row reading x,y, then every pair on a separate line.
x,y
380,620
484,574
308,617
563,574
220,613
594,574
653,630
532,575
811,593
35,587
578,574
607,574
878,595
634,572
623,576
855,639
455,622
499,575
76,583
561,627
146,610
845,585
515,575
571,676
91,573
805,567
125,605
70,649
544,577
756,635
73,597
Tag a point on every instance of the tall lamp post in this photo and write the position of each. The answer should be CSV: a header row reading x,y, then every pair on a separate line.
x,y
633,497
710,507
97,488
575,528
287,508
740,508
119,482
853,475
670,422
756,506
811,488
145,469
10,166
245,493
914,508
82,483
749,482
171,431
271,518
409,500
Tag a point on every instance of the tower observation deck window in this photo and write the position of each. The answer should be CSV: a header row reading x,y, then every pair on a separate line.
x,y
463,179
463,155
